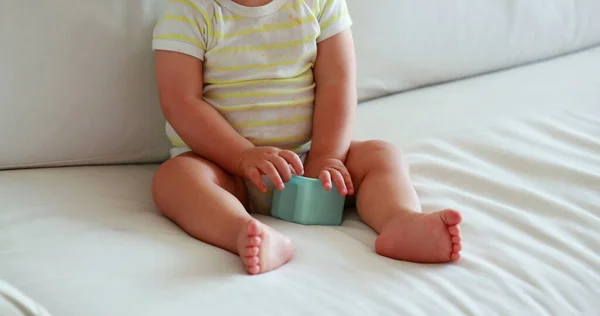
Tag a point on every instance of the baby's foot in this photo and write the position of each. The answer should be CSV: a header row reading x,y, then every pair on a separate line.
x,y
262,248
424,238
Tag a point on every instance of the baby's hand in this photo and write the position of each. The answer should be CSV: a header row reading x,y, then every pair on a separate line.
x,y
326,169
278,165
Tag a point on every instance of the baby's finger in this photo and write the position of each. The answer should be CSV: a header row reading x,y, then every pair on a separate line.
x,y
325,178
293,160
338,179
256,179
348,181
271,172
283,168
293,170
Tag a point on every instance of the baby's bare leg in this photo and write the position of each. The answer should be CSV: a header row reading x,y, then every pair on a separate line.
x,y
209,204
387,201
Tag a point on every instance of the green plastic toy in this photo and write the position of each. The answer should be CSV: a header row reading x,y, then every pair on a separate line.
x,y
305,201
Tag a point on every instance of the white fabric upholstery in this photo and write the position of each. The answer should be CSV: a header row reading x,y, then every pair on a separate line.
x,y
77,84
14,303
403,44
516,151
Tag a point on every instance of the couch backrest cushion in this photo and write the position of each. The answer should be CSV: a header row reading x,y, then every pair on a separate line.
x,y
404,44
77,81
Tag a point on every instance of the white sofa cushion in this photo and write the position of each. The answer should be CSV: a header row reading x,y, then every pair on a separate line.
x,y
404,44
15,303
89,241
77,82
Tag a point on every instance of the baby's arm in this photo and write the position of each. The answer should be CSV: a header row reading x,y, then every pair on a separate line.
x,y
181,38
204,130
335,106
207,133
335,102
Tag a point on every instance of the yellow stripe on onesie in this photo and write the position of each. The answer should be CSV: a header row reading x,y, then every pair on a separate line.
x,y
257,62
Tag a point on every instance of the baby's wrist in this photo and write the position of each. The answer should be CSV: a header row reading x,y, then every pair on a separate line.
x,y
327,150
321,156
240,160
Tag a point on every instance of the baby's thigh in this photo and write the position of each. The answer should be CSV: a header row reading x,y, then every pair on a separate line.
x,y
189,173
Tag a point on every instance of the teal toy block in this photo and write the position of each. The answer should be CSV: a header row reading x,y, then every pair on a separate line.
x,y
305,201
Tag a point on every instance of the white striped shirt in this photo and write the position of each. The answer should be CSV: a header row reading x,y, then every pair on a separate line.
x,y
257,61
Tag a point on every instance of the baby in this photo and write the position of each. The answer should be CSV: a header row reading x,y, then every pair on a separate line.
x,y
255,91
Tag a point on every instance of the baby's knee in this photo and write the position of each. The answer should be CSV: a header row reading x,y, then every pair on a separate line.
x,y
174,171
383,151
377,145
188,174
163,178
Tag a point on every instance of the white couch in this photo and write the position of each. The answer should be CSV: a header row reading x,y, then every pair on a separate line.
x,y
495,103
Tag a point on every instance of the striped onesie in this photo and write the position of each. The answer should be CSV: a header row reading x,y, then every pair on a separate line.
x,y
257,62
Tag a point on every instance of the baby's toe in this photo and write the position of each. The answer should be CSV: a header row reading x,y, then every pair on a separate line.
x,y
254,242
254,228
456,247
451,217
454,256
456,239
454,230
249,252
253,269
250,261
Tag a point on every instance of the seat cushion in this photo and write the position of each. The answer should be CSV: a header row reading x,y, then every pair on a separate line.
x,y
517,152
14,303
